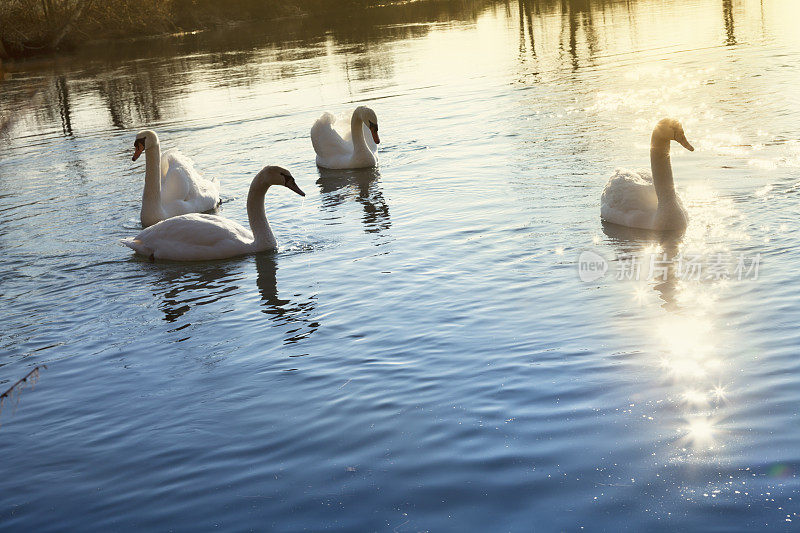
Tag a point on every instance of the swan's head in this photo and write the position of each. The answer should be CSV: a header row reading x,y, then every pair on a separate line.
x,y
369,118
670,129
276,176
144,140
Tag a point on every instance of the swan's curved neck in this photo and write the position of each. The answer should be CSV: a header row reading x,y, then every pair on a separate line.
x,y
257,216
662,168
152,211
152,176
357,134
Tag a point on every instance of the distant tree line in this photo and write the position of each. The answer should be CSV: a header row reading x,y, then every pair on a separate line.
x,y
29,27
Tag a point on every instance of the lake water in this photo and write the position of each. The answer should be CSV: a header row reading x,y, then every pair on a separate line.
x,y
421,353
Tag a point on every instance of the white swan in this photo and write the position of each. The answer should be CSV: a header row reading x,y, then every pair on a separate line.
x,y
354,149
202,237
172,186
641,199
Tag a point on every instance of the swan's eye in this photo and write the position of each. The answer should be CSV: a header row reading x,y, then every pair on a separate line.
x,y
287,176
138,142
373,126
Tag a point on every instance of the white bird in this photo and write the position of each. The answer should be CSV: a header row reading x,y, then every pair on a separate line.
x,y
172,186
354,149
647,200
202,237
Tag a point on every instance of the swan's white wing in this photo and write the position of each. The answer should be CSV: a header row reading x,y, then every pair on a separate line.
x,y
629,199
176,176
327,141
183,188
200,229
192,237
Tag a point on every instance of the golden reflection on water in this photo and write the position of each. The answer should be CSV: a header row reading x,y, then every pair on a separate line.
x,y
332,63
683,322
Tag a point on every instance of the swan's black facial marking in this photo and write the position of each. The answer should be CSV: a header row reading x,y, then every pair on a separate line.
x,y
138,148
290,183
373,128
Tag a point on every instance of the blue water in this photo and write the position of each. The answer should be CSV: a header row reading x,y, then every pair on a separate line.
x,y
420,353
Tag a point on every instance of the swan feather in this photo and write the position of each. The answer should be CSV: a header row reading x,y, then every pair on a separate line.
x,y
172,184
181,182
192,237
335,145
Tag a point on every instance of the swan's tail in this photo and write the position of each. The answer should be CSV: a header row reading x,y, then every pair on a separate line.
x,y
137,246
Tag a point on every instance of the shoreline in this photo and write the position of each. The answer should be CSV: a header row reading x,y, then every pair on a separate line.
x,y
13,65
45,39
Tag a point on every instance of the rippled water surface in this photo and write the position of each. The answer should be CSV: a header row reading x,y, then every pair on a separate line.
x,y
420,353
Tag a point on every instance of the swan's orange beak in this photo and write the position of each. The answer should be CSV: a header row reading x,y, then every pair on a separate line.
x,y
374,130
681,139
138,149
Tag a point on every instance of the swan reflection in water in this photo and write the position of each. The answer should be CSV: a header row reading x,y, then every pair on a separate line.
x,y
295,314
687,343
182,289
642,244
337,186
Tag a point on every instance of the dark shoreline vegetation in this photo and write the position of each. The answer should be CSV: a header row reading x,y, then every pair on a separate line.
x,y
38,27
134,94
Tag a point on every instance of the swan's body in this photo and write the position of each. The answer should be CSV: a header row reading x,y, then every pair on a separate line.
x,y
172,186
629,199
647,200
353,149
202,237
